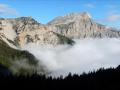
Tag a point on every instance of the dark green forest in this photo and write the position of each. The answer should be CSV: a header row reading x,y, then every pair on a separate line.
x,y
10,58
102,79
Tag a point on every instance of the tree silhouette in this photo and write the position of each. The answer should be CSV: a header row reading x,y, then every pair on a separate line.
x,y
102,79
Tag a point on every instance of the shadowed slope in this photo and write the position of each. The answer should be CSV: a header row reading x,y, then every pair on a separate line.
x,y
19,62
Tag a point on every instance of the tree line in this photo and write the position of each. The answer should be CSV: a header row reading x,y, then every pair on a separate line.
x,y
102,79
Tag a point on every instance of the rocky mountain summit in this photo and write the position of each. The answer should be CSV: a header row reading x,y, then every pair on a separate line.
x,y
61,30
81,25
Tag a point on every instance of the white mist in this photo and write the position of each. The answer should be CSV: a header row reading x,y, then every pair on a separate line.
x,y
86,55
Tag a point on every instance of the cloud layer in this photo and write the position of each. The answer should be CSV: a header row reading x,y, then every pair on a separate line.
x,y
86,55
7,10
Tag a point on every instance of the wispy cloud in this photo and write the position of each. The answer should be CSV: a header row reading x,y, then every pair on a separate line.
x,y
89,5
114,17
7,10
109,19
113,13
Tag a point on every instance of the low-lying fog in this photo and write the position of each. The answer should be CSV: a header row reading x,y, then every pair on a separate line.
x,y
86,55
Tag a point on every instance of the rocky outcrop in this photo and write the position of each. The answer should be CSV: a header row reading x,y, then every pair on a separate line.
x,y
81,25
61,30
42,38
72,17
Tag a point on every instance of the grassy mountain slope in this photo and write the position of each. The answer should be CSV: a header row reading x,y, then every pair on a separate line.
x,y
19,62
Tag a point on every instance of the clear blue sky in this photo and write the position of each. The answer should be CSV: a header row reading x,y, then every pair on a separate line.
x,y
103,11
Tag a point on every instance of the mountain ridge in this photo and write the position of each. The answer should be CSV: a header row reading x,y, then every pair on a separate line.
x,y
25,30
15,33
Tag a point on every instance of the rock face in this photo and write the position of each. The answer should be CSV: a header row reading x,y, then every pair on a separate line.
x,y
80,25
61,30
26,30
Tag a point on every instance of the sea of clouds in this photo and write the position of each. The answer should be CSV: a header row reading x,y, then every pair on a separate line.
x,y
86,55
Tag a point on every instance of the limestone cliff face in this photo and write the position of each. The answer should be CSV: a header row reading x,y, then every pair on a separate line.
x,y
26,30
61,30
81,25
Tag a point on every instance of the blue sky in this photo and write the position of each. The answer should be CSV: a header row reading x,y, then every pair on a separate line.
x,y
106,12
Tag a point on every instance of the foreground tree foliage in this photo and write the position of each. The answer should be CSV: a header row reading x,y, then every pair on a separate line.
x,y
102,79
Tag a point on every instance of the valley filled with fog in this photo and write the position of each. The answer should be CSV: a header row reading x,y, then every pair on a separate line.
x,y
84,56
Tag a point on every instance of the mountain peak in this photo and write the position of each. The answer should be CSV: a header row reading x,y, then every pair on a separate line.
x,y
27,19
86,15
71,17
25,30
79,15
